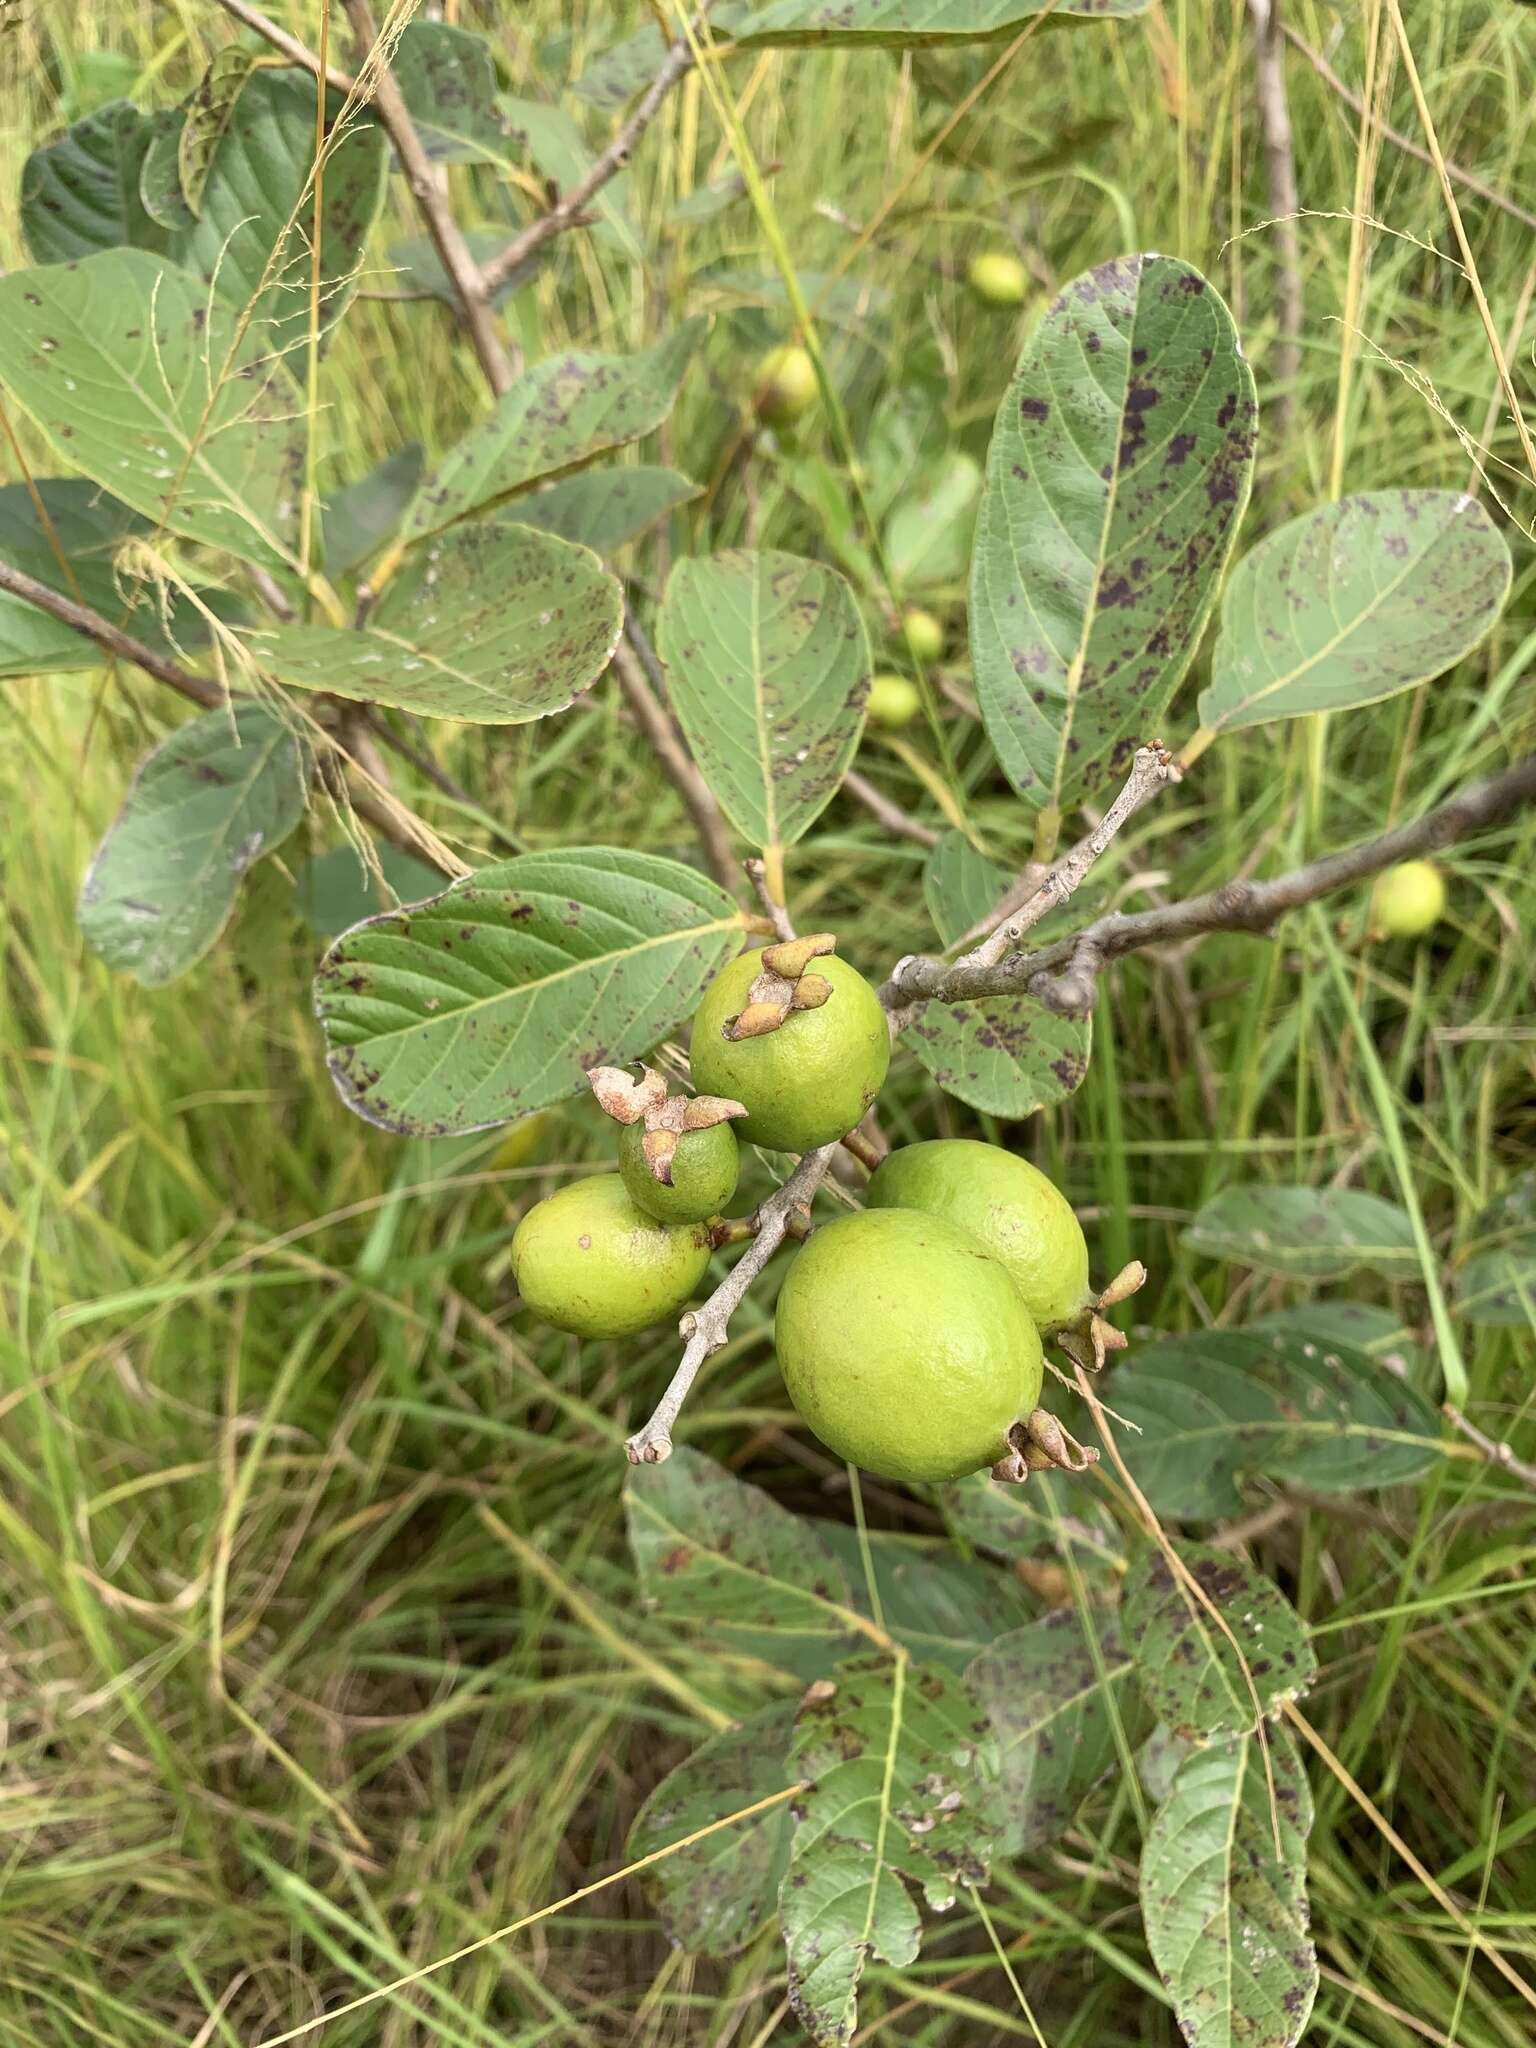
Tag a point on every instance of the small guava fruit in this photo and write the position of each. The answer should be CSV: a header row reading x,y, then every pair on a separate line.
x,y
785,385
998,279
905,1346
812,1078
705,1167
923,634
893,700
1408,899
1007,1205
586,1259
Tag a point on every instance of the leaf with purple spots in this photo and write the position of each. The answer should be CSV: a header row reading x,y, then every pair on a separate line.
x,y
1004,1055
1119,469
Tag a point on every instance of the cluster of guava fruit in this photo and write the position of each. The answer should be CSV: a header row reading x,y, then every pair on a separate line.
x,y
909,1332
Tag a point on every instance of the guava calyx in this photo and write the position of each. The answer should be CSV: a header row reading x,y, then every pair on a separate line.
x,y
1090,1338
665,1117
784,985
1041,1444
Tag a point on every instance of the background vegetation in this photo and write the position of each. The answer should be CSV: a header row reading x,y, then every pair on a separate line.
x,y
320,1650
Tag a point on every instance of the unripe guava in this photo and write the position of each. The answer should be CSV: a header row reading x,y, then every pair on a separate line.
x,y
893,700
1007,1205
812,1079
998,279
923,634
1408,899
905,1346
786,385
586,1259
705,1167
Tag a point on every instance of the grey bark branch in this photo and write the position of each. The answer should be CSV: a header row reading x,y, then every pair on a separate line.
x,y
290,46
1062,974
1284,198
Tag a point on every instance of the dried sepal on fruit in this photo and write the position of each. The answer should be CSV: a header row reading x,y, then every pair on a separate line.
x,y
664,1117
783,985
1041,1444
1092,1336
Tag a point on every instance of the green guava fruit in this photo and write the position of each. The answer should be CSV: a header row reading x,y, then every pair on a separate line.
x,y
893,700
998,279
905,1346
705,1169
785,385
923,634
1408,900
586,1259
1007,1205
812,1079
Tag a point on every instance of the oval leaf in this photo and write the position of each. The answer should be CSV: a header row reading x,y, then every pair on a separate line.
x,y
717,1894
604,509
896,24
565,411
1189,1667
209,113
1354,602
496,997
492,624
1226,1916
81,193
210,800
114,356
1119,469
768,669
447,78
1306,1233
1007,1056
960,886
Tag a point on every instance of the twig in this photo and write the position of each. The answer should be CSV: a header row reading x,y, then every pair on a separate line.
x,y
566,211
472,287
253,19
1493,1449
655,721
1238,906
1406,143
777,915
1284,199
890,814
707,1329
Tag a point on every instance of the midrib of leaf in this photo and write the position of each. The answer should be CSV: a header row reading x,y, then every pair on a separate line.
x,y
1223,1430
847,1617
220,838
764,758
877,1860
597,960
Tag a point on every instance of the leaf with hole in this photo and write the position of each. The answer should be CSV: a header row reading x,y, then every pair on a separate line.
x,y
1306,1233
605,509
561,414
496,997
118,358
899,24
1052,1696
717,1894
361,516
491,623
1225,1909
1190,1661
1352,603
1219,1403
1119,468
768,668
447,78
893,1796
1005,1055
214,797
81,193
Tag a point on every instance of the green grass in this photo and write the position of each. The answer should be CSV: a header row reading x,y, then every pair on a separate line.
x,y
285,1718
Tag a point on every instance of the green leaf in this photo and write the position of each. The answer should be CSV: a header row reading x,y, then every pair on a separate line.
x,y
251,238
1189,1667
554,145
1349,1326
209,113
447,78
1119,469
1035,1522
214,797
897,24
888,1750
630,66
605,509
334,891
907,435
1219,1403
160,192
564,412
1007,1056
768,669
360,517
113,357
1306,1233
1354,602
928,535
90,527
960,886
839,301
716,1552
1496,1287
490,623
81,193
716,1895
1052,1708
1225,1915
934,1604
496,997
420,267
